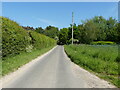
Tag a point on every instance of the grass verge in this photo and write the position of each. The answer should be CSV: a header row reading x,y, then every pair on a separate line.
x,y
10,64
101,60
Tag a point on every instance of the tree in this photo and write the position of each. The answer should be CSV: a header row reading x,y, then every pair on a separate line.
x,y
63,36
111,31
81,33
101,27
75,32
90,31
39,30
51,31
118,32
95,29
28,28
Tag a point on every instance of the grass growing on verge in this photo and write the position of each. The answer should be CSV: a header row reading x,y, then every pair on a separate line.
x,y
0,67
11,64
100,59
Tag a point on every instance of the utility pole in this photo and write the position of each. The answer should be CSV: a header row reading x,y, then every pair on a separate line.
x,y
72,25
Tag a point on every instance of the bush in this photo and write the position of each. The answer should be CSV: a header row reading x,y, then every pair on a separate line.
x,y
16,40
75,41
103,43
40,41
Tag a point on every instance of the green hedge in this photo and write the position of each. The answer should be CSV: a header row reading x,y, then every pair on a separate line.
x,y
40,41
16,40
103,43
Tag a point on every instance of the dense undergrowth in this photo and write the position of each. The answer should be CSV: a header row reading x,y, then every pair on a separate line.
x,y
101,59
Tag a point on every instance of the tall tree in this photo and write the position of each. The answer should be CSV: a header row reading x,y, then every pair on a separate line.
x,y
90,31
51,31
111,32
63,36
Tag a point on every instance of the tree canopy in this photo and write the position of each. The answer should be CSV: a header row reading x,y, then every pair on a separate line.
x,y
95,29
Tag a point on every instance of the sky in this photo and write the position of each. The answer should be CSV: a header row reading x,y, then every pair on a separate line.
x,y
59,14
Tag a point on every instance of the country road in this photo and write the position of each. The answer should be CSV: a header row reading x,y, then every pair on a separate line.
x,y
54,70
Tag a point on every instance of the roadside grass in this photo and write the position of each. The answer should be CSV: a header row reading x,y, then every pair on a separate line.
x,y
99,59
10,64
0,67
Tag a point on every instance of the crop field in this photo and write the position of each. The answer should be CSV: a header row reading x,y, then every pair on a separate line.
x,y
100,59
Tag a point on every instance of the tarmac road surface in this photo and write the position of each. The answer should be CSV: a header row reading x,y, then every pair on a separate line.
x,y
54,70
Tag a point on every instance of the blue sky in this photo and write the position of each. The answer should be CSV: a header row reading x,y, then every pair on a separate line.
x,y
59,14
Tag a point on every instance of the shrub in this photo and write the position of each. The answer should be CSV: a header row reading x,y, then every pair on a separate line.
x,y
16,40
103,43
40,41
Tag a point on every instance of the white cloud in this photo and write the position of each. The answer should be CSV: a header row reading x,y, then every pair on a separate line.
x,y
45,21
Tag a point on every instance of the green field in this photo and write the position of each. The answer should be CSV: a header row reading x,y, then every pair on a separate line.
x,y
99,59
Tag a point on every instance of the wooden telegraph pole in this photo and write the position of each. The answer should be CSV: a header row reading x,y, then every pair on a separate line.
x,y
72,26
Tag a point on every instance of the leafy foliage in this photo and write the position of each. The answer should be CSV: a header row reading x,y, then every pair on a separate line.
x,y
16,40
63,36
39,30
103,43
28,28
95,29
49,31
40,41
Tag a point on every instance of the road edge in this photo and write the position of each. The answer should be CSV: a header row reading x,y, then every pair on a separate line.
x,y
11,75
93,74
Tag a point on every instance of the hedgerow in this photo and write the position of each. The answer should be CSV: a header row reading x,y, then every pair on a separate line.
x,y
16,40
103,43
40,41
